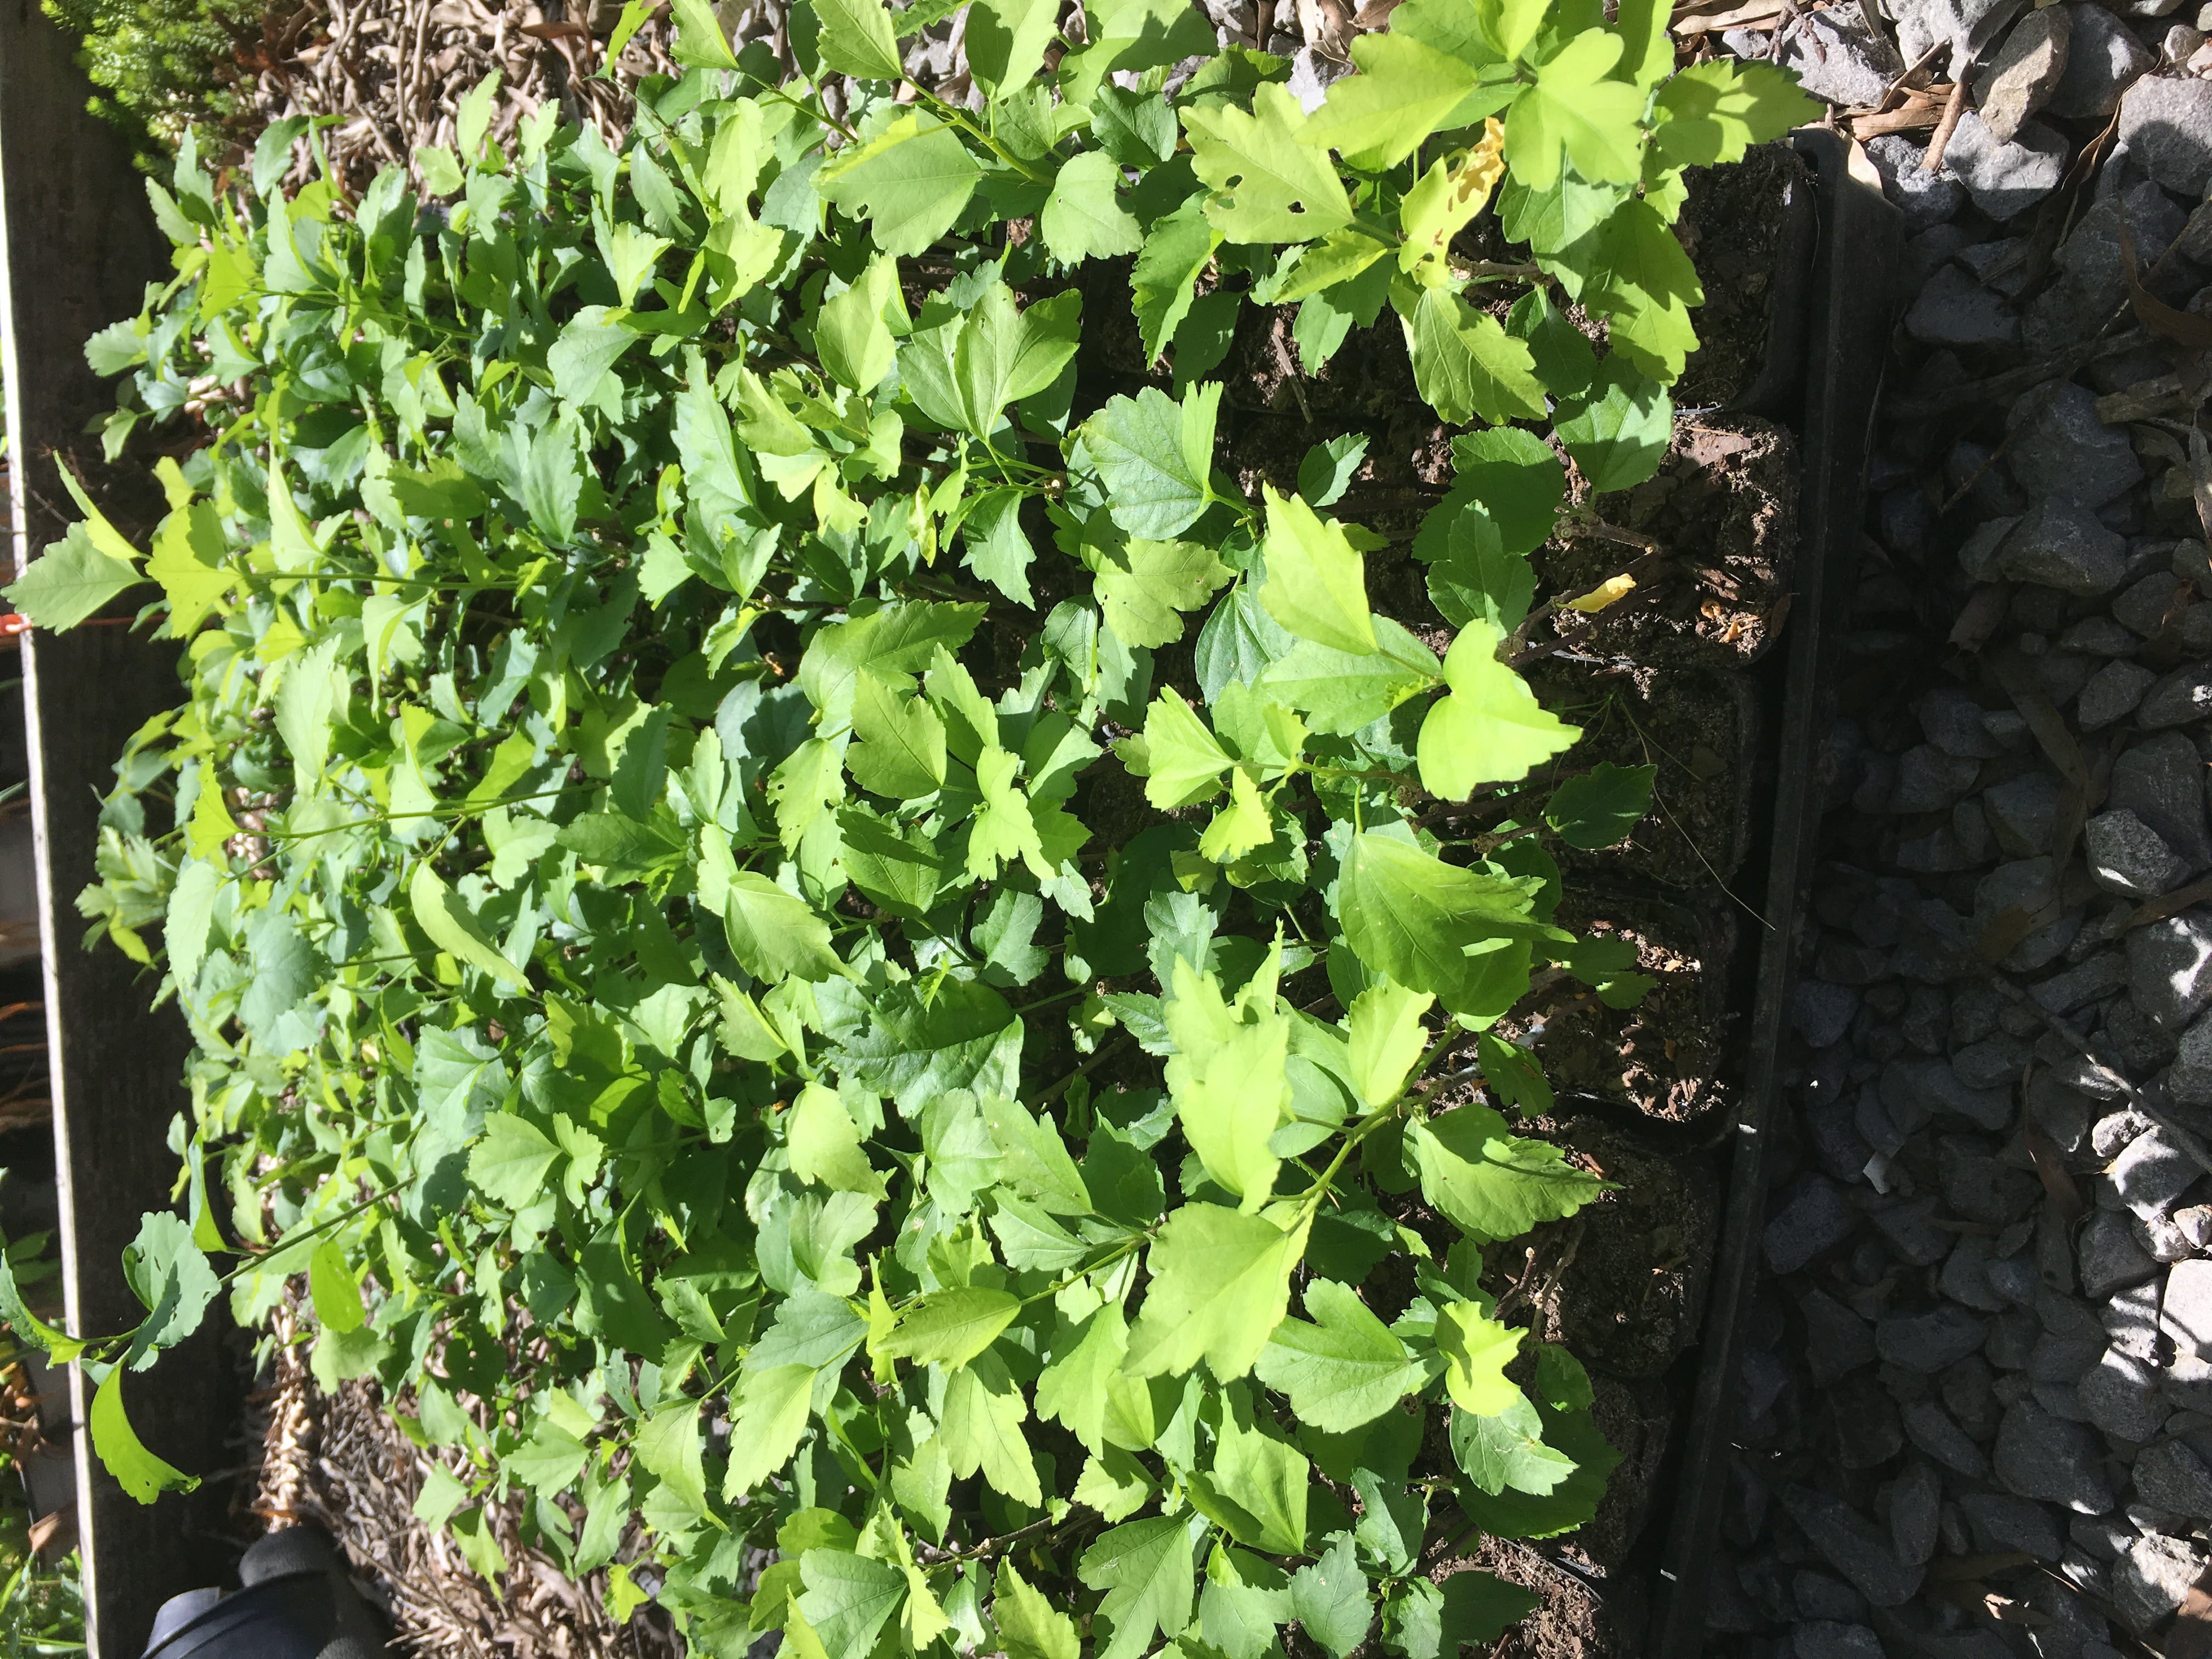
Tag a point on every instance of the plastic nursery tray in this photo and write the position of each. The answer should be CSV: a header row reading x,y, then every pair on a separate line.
x,y
77,246
1833,314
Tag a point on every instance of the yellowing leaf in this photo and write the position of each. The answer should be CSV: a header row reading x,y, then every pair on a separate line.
x,y
1605,593
1446,199
1477,1350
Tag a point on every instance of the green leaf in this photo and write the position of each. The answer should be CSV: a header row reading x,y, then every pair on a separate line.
x,y
1516,478
72,580
1176,249
136,1469
1476,1351
1228,1080
1572,111
1491,728
997,548
1617,432
1331,1599
1145,587
1504,1448
857,39
1184,760
1401,94
849,1599
1340,693
901,751
1266,1478
921,1042
1029,1626
910,182
775,936
1477,579
764,1431
511,1162
667,1444
980,1417
1329,467
1465,364
332,1287
1155,457
1316,585
1083,219
1643,280
1268,185
949,1328
824,1144
1478,1607
1035,1160
1414,918
1221,1282
1512,1073
1147,1571
1602,805
1492,1184
1345,1369
455,931
170,1273
700,42
851,336
1387,1039
1711,113
1007,40
190,560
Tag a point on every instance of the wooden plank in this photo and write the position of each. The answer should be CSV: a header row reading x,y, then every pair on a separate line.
x,y
80,244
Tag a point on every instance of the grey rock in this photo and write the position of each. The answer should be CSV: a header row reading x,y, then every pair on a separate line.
x,y
2111,694
2171,1476
2101,1537
2026,71
1966,1277
2190,1081
1845,962
2151,1578
1991,1063
2063,1359
2130,1321
2002,265
1838,61
1952,721
1816,1218
2128,857
2142,606
2029,884
1926,199
1910,1227
2012,1341
1930,251
2039,1455
2103,60
2006,177
1821,1012
1970,25
2166,127
1977,554
2003,1523
2060,544
2153,1172
2185,1310
1837,1341
2161,781
2099,636
2120,1393
1928,1342
2061,449
1978,1187
2196,1224
1852,1546
2083,984
1928,779
2110,1257
2170,968
1819,1596
1930,1427
1928,1087
1868,1432
1916,1501
2014,1278
2023,811
1823,1638
2092,270
1953,309
2182,697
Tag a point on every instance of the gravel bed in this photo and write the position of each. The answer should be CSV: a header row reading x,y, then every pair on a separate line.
x,y
1974,1417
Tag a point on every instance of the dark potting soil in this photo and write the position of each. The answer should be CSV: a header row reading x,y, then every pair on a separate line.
x,y
1734,223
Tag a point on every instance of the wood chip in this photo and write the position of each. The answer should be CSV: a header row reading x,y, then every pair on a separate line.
x,y
2057,1180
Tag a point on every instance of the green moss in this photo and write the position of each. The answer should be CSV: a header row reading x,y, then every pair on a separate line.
x,y
160,65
